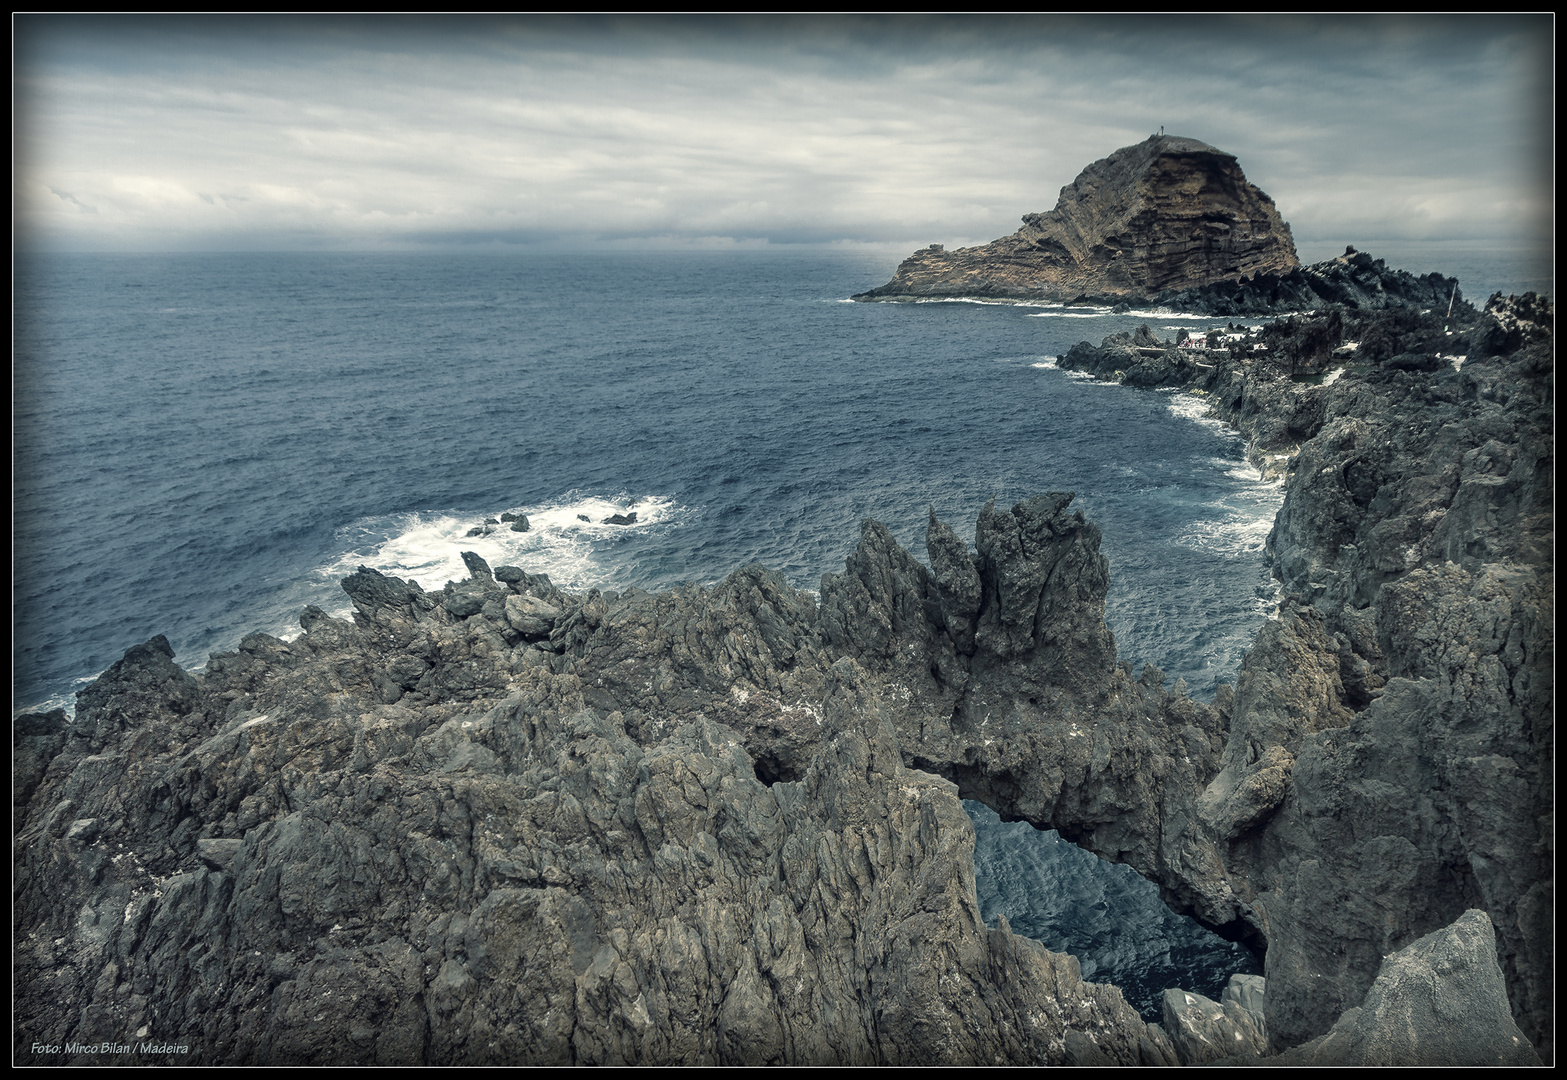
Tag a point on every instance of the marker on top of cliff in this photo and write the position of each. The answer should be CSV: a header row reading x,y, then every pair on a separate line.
x,y
1165,215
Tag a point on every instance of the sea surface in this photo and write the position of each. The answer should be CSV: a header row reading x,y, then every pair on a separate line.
x,y
206,443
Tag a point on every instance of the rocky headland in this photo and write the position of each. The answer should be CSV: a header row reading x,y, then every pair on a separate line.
x,y
1170,222
507,823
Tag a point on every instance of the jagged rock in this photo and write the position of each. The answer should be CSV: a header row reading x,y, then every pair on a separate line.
x,y
219,854
1440,1000
1355,281
531,617
1389,728
722,824
1169,213
465,599
621,519
957,583
1249,993
1205,1030
520,523
526,883
36,738
477,567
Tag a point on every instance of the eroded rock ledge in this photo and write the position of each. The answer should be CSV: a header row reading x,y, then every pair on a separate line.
x,y
507,823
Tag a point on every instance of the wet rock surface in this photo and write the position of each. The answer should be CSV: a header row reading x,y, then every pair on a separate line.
x,y
506,823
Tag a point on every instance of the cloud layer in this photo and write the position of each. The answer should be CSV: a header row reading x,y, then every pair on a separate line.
x,y
163,134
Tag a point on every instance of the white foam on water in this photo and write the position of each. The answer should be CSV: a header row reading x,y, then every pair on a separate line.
x,y
1046,362
1099,313
1246,472
427,546
1269,605
975,300
1195,407
1088,379
1244,531
1167,314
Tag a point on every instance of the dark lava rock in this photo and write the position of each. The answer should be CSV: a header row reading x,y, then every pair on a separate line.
x,y
507,823
1440,1000
621,519
1388,737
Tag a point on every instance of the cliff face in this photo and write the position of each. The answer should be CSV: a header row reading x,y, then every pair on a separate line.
x,y
1388,760
1164,215
506,823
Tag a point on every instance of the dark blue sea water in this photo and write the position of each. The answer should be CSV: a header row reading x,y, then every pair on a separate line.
x,y
205,443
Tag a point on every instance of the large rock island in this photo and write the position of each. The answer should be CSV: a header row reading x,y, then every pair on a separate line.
x,y
1164,215
1168,222
506,823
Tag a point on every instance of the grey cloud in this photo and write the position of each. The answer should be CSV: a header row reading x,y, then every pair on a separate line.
x,y
856,129
66,196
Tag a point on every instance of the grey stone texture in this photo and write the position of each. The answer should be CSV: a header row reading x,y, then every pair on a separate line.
x,y
506,823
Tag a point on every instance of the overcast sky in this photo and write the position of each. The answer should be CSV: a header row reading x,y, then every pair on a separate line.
x,y
226,133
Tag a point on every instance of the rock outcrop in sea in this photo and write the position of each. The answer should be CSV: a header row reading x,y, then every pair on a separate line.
x,y
507,823
1166,215
1170,223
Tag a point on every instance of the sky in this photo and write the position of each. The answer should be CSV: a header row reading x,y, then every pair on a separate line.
x,y
227,133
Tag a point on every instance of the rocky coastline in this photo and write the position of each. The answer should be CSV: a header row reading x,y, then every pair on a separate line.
x,y
504,823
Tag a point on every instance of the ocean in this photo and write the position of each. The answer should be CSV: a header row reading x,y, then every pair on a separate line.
x,y
206,443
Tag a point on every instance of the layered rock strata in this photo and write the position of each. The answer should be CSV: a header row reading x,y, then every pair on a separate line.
x,y
1165,215
503,822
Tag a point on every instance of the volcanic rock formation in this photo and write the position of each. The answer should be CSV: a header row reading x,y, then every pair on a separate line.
x,y
1388,761
1164,215
506,823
